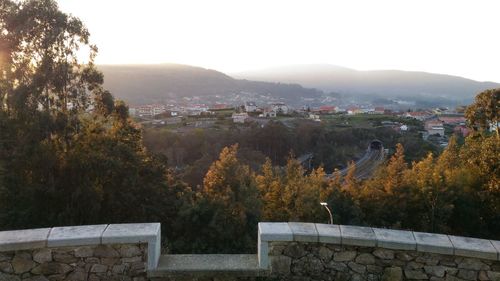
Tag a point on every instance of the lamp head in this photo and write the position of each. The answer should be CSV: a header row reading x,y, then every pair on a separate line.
x,y
323,203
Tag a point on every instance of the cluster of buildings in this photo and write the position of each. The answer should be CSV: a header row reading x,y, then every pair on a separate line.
x,y
269,111
149,111
434,120
434,123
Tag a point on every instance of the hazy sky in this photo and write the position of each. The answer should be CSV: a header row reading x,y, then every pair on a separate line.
x,y
444,36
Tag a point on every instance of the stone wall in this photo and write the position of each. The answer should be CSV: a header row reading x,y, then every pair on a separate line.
x,y
93,263
286,251
320,261
308,251
80,253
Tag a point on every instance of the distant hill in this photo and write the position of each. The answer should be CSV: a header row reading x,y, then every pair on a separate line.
x,y
380,83
138,84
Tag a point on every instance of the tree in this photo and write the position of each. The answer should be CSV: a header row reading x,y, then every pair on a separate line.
x,y
485,111
351,183
271,188
395,170
70,153
229,204
428,180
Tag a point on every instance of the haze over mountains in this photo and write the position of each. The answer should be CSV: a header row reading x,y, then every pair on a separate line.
x,y
380,83
138,84
156,83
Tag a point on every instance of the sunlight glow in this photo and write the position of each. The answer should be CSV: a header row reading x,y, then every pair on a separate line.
x,y
446,36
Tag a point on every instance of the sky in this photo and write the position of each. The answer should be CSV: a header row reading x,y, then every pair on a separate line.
x,y
443,36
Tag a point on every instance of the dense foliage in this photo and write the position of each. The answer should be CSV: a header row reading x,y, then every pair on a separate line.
x,y
191,153
69,154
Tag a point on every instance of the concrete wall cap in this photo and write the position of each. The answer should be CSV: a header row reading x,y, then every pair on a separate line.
x,y
76,235
395,239
474,247
15,240
358,236
329,233
277,231
433,243
130,233
304,232
136,233
496,244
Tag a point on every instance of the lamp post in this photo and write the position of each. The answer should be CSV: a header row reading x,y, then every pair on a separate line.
x,y
324,204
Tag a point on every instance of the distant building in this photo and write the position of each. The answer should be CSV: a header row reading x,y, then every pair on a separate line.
x,y
440,110
149,110
454,119
240,117
379,110
196,109
280,108
250,106
434,127
354,110
419,115
268,112
132,111
314,117
220,106
326,109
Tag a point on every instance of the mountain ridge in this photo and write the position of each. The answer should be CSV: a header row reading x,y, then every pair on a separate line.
x,y
389,83
154,83
147,83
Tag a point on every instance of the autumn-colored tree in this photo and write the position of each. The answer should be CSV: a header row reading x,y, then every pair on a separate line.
x,y
396,170
310,197
294,182
270,184
485,111
230,207
428,181
351,183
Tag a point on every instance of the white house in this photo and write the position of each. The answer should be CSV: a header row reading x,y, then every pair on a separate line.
x,y
240,117
314,117
268,112
280,107
250,106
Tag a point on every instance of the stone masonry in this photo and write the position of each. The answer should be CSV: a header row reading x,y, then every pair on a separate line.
x,y
80,253
286,251
93,263
320,261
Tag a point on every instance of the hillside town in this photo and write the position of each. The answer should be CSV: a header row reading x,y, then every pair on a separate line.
x,y
434,124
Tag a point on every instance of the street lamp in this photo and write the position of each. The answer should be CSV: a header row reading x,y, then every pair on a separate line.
x,y
328,209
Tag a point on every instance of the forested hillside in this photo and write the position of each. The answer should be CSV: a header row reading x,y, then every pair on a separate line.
x,y
139,84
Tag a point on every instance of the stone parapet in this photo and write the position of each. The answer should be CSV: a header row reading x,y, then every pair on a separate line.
x,y
86,235
359,236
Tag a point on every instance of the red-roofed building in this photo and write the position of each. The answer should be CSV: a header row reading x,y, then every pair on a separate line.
x,y
327,109
379,110
452,119
434,127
